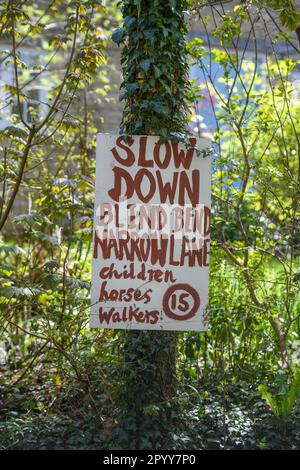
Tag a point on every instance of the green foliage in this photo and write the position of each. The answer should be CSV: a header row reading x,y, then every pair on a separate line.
x,y
283,402
255,194
155,68
154,91
288,11
65,386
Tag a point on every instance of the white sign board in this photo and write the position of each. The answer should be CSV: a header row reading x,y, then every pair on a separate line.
x,y
151,234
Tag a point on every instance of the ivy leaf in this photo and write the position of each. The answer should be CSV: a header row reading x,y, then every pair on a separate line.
x,y
118,35
129,90
129,21
160,108
145,64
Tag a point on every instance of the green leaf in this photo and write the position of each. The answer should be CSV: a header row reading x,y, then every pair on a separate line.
x,y
160,108
14,131
30,219
129,21
145,64
118,35
51,265
130,89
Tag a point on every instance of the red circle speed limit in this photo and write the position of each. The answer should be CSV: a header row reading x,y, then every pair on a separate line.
x,y
181,302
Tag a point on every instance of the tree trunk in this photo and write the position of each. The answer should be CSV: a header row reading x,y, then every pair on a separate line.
x,y
154,88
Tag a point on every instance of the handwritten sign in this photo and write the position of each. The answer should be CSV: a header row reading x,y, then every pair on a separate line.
x,y
151,234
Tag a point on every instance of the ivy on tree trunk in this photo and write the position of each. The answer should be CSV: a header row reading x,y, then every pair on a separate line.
x,y
154,89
